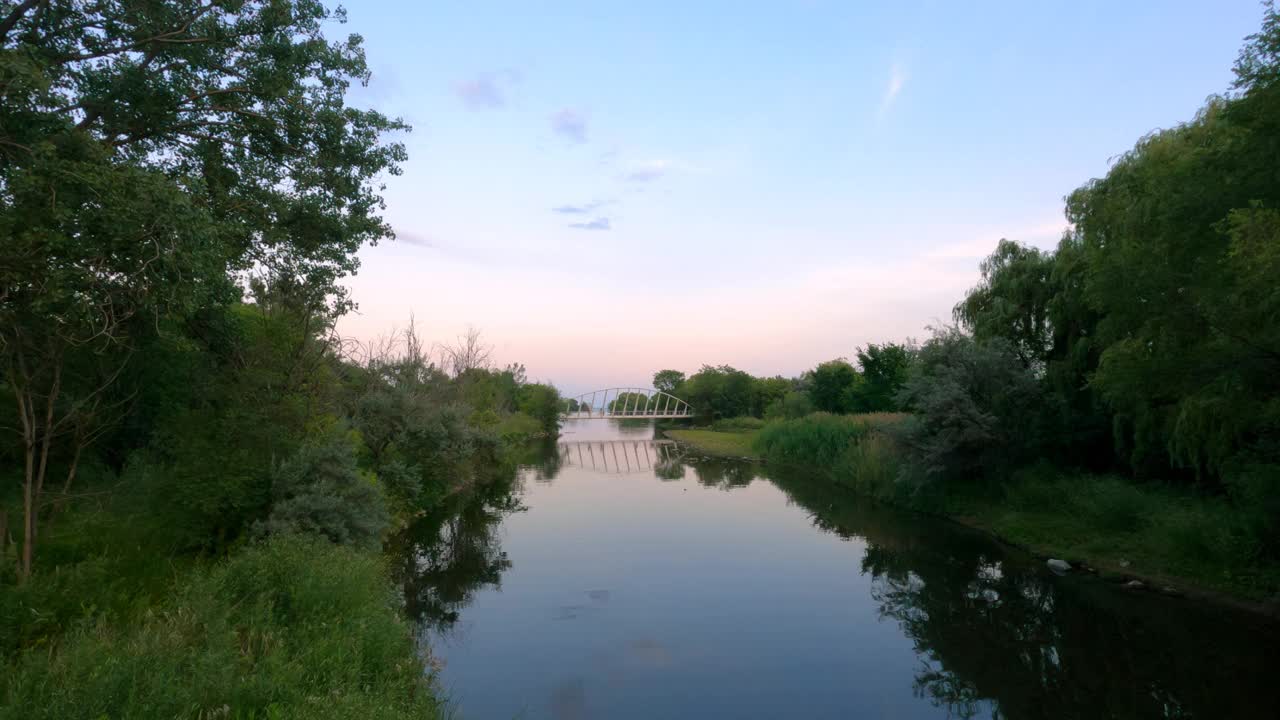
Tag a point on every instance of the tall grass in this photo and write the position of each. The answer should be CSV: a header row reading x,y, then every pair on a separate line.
x,y
854,450
290,629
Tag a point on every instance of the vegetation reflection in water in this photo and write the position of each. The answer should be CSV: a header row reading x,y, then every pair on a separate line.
x,y
994,634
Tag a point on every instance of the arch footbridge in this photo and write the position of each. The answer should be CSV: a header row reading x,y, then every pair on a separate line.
x,y
625,403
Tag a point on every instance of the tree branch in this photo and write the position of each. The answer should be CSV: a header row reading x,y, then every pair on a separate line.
x,y
7,24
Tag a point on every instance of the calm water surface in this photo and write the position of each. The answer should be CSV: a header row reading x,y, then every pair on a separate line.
x,y
617,577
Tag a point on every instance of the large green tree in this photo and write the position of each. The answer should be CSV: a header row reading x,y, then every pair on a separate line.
x,y
151,154
1178,242
831,385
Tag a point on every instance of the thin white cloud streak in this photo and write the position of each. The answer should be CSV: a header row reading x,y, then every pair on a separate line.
x,y
897,80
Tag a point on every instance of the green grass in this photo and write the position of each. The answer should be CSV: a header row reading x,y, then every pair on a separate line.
x,y
1166,535
289,629
719,444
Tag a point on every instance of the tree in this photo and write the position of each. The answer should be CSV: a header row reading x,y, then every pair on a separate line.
x,y
1012,301
467,354
831,384
1176,241
149,154
767,391
542,403
668,380
884,370
718,392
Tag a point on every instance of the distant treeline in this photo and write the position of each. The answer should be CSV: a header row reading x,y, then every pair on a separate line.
x,y
836,386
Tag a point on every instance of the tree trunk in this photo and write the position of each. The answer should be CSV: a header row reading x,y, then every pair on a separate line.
x,y
28,515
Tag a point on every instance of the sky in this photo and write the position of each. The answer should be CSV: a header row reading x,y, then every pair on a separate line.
x,y
609,189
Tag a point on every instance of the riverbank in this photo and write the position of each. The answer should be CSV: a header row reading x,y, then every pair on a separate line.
x,y
719,444
267,632
1147,538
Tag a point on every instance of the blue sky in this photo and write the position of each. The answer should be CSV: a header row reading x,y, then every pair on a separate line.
x,y
606,189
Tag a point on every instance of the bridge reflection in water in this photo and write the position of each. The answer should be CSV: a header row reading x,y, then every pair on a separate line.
x,y
623,456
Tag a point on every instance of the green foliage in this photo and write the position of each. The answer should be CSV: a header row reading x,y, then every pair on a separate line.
x,y
293,628
1178,246
668,380
1012,302
832,386
518,427
821,439
718,392
794,404
634,403
884,370
542,403
855,451
321,491
975,409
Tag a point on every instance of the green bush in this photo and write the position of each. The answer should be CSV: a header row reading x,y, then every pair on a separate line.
x,y
976,410
294,628
320,490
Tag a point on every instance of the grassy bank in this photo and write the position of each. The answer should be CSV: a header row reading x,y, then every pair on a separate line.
x,y
718,443
1162,535
289,628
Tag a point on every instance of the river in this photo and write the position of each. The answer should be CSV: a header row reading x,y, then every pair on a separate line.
x,y
615,575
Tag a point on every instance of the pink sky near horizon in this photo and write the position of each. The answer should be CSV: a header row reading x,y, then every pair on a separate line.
x,y
582,333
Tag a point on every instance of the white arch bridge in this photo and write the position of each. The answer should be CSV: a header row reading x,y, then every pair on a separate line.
x,y
622,403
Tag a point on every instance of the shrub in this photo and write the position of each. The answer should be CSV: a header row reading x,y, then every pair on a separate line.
x,y
294,628
320,490
975,409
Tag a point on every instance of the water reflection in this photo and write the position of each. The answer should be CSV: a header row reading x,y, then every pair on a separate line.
x,y
658,457
985,631
997,636
447,556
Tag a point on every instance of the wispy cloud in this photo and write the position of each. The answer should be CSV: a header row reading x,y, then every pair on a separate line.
x,y
413,238
577,209
570,124
647,171
488,90
597,224
481,93
897,79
